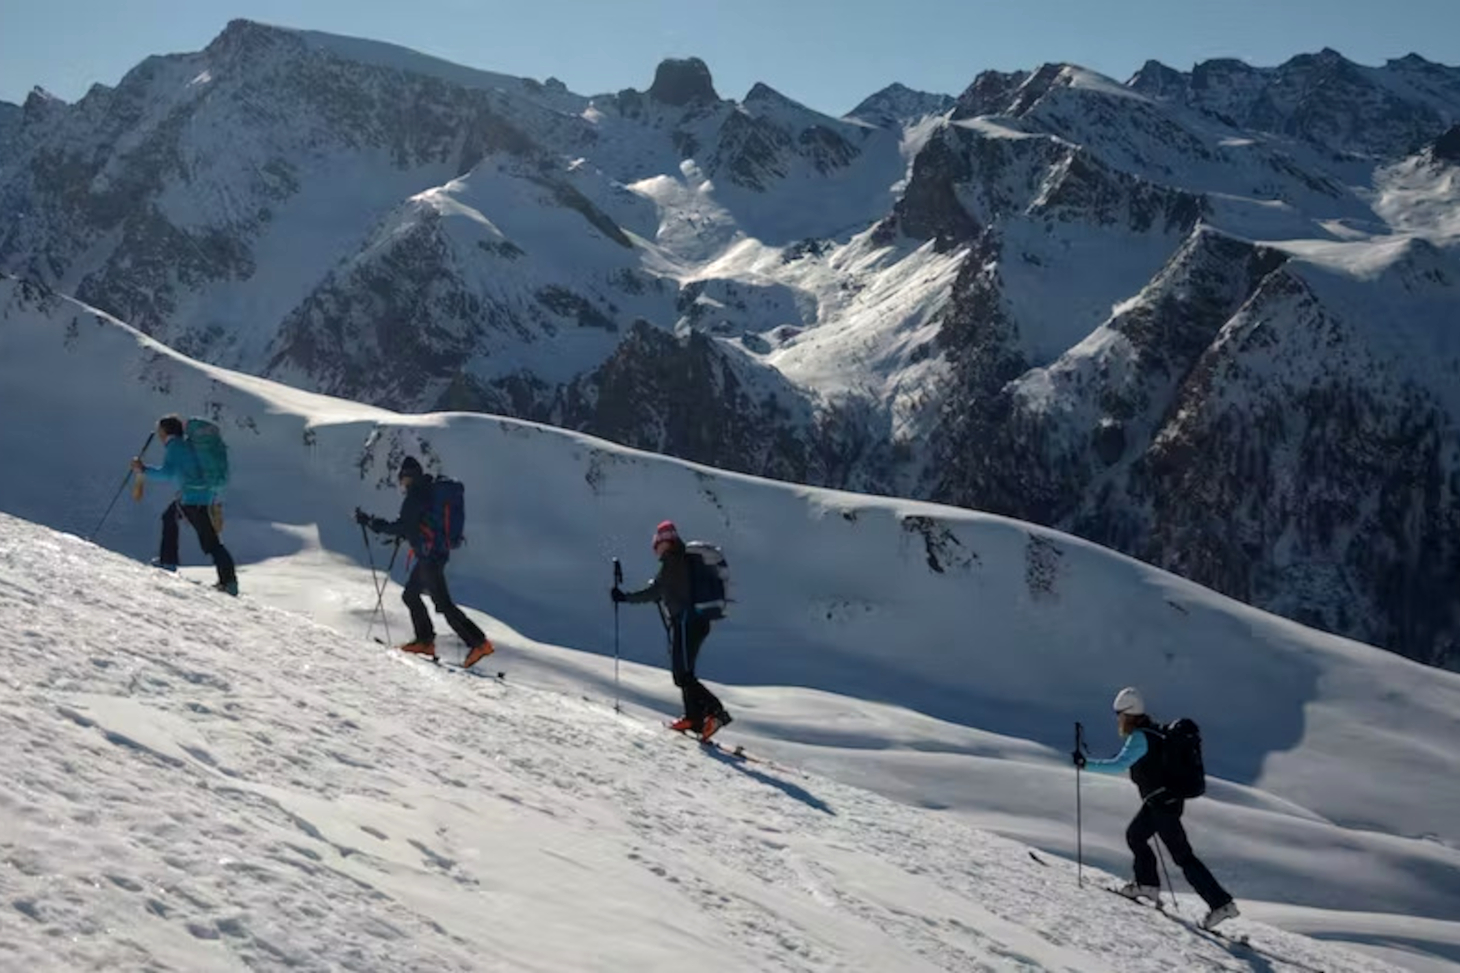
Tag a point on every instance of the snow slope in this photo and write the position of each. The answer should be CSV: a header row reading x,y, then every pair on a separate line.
x,y
934,655
190,790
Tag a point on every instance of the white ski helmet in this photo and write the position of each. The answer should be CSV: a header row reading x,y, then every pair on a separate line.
x,y
1129,701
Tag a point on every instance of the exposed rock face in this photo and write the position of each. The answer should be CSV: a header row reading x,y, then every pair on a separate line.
x,y
681,82
1447,146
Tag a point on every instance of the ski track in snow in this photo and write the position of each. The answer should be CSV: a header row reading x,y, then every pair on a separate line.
x,y
200,783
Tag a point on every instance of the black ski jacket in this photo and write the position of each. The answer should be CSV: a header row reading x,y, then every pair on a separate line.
x,y
671,586
414,511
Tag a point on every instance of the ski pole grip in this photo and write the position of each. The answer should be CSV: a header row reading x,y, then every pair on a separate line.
x,y
618,572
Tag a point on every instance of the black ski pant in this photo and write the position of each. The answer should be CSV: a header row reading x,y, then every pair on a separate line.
x,y
202,521
1165,820
686,636
429,576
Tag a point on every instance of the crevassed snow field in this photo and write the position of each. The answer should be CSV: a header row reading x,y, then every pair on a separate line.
x,y
914,671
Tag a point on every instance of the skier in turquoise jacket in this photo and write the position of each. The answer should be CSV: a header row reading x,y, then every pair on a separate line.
x,y
193,502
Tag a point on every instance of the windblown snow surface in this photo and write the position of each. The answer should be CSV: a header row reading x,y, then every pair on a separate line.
x,y
194,782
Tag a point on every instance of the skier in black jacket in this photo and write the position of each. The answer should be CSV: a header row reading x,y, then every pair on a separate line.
x,y
415,527
1160,812
673,589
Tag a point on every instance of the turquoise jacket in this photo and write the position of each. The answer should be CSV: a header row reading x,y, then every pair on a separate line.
x,y
180,466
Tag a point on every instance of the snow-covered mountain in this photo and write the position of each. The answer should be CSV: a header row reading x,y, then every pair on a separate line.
x,y
897,106
933,655
1026,299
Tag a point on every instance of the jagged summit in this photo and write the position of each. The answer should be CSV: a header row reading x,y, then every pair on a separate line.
x,y
683,81
897,104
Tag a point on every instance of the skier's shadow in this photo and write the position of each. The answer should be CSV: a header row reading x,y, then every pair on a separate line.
x,y
786,787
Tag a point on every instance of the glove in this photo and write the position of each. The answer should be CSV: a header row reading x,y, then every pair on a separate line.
x,y
616,593
361,517
378,524
1079,759
136,465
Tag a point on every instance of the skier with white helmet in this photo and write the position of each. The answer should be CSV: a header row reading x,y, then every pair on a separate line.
x,y
1160,813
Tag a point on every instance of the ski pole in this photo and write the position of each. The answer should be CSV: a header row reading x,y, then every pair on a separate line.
x,y
618,580
374,580
120,488
380,588
1169,887
1079,817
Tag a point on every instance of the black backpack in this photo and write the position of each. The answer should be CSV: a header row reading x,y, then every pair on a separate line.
x,y
1182,771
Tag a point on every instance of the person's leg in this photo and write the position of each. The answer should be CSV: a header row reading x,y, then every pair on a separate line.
x,y
1138,837
679,667
433,578
705,701
1173,836
420,619
167,554
199,516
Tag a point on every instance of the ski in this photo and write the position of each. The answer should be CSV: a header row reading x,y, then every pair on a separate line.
x,y
499,675
483,673
737,752
1240,939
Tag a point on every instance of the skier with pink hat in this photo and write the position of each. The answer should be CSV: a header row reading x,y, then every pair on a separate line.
x,y
687,622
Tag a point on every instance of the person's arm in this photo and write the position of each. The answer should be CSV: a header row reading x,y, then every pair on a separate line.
x,y
412,512
1135,748
171,468
650,591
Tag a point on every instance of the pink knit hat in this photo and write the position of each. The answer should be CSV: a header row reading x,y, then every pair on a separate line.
x,y
666,531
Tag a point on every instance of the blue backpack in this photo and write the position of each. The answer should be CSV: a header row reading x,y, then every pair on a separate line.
x,y
205,440
445,526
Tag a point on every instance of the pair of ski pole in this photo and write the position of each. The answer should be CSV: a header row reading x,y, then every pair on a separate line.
x,y
379,585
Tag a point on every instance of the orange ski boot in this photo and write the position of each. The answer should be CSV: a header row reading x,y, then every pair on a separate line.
x,y
478,654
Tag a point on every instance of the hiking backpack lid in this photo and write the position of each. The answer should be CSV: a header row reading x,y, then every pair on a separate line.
x,y
1182,770
709,579
446,524
205,440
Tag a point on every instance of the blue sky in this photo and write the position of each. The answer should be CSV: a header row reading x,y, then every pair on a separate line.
x,y
827,53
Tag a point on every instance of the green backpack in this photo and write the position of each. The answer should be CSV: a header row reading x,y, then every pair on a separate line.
x,y
206,440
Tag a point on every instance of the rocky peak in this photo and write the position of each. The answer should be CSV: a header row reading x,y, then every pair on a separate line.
x,y
245,39
898,104
1158,81
762,93
682,81
1447,146
1035,86
40,105
989,94
1222,71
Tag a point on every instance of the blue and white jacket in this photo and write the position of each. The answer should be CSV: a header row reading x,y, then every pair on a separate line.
x,y
1141,755
1135,749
